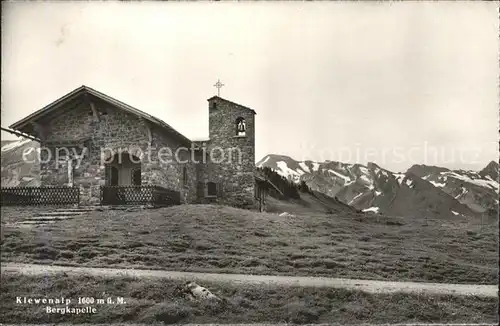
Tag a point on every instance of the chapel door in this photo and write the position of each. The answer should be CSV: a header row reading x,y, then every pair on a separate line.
x,y
110,194
113,178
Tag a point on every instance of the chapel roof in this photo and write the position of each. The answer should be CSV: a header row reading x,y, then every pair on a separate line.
x,y
23,125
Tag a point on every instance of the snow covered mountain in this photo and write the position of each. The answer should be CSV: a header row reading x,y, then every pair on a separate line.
x,y
17,171
477,190
422,190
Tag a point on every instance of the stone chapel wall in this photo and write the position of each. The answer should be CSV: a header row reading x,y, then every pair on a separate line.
x,y
113,130
169,158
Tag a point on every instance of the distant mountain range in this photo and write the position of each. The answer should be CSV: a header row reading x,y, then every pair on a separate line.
x,y
16,171
420,191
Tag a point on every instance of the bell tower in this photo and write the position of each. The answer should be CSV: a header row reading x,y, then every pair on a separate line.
x,y
231,149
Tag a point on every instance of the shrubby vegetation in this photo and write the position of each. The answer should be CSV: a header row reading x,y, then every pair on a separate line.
x,y
289,188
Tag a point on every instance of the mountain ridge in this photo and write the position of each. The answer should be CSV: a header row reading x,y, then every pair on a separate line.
x,y
421,190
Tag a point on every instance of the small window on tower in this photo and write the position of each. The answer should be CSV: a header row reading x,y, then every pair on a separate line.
x,y
241,127
211,189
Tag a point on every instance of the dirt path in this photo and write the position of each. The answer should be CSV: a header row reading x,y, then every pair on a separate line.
x,y
351,284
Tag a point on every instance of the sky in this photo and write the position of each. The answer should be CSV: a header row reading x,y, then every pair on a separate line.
x,y
397,83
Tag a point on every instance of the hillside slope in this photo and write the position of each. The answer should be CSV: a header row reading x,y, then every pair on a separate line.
x,y
293,197
214,238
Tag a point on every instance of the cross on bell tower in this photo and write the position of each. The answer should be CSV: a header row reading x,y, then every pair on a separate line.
x,y
218,85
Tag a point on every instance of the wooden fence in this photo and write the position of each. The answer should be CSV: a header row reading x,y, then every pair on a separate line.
x,y
139,195
39,196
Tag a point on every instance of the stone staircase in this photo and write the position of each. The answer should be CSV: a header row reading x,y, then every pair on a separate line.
x,y
54,215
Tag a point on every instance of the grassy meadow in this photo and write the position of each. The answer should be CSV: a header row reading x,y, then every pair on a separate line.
x,y
211,238
160,301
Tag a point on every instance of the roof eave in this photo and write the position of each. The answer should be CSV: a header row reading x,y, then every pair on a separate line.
x,y
52,106
46,109
223,99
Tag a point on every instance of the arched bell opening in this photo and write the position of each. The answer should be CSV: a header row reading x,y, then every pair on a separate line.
x,y
241,127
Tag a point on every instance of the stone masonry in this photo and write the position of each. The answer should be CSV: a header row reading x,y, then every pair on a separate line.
x,y
114,131
232,158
